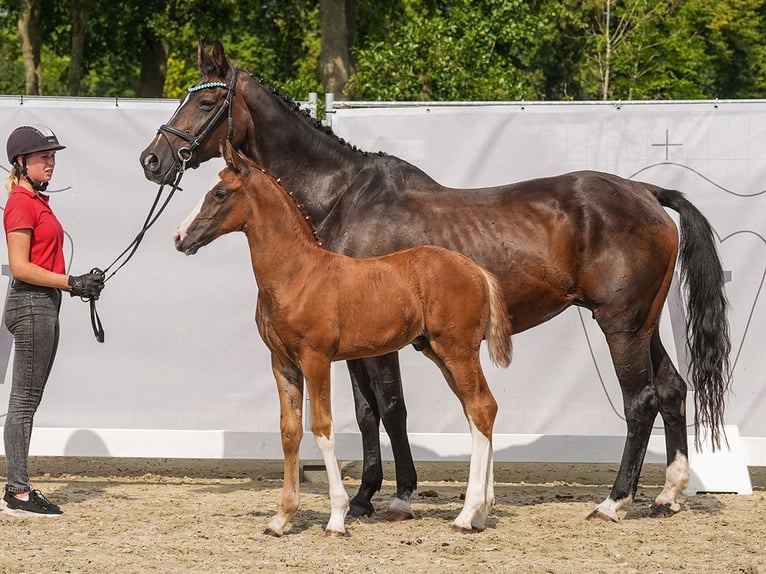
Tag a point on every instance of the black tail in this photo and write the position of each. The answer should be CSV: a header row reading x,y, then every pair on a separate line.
x,y
707,328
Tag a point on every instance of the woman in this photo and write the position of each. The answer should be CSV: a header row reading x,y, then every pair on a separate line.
x,y
35,253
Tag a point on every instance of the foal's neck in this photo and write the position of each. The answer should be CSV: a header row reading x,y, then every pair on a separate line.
x,y
281,240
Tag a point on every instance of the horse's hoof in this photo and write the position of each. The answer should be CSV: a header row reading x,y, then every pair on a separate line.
x,y
397,515
334,534
271,532
359,509
661,511
599,516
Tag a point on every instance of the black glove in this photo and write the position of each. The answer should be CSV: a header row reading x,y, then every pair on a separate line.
x,y
88,286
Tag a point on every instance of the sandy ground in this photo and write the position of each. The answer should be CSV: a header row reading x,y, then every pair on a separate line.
x,y
189,516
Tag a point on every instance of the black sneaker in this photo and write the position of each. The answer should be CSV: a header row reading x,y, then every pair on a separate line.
x,y
37,505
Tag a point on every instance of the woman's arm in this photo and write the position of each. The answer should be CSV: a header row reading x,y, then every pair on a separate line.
x,y
19,245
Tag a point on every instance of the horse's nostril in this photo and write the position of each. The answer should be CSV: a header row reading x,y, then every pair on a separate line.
x,y
151,162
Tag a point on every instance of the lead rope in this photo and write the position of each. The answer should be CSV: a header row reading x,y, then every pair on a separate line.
x,y
130,250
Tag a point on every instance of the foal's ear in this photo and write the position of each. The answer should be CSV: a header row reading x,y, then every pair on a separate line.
x,y
230,155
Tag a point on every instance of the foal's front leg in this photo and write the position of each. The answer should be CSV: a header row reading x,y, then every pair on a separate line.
x,y
290,386
317,371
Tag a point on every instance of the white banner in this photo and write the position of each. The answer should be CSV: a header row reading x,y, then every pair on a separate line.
x,y
183,371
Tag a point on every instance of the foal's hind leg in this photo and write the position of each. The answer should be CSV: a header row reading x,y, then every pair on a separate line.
x,y
671,390
630,353
378,395
466,379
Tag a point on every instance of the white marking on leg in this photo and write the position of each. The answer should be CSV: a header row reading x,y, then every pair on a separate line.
x,y
479,496
676,480
338,494
400,505
610,507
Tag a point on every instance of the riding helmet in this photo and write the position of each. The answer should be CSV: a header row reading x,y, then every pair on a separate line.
x,y
29,139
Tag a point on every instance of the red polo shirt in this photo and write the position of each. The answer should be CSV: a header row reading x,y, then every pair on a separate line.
x,y
28,210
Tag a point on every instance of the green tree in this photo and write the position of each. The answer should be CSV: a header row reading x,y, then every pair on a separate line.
x,y
475,50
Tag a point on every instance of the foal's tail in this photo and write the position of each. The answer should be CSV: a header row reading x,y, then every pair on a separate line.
x,y
498,333
707,328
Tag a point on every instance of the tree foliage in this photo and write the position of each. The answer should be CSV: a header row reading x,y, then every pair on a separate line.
x,y
402,49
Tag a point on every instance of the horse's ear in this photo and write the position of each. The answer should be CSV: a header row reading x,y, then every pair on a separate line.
x,y
204,61
219,57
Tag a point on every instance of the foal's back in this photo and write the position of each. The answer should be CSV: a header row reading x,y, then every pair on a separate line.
x,y
380,305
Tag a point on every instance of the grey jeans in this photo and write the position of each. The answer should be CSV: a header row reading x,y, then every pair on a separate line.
x,y
32,317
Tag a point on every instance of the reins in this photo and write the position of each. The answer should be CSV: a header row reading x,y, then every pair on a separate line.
x,y
181,157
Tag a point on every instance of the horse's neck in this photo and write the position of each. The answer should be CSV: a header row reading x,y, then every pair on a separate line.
x,y
282,243
315,166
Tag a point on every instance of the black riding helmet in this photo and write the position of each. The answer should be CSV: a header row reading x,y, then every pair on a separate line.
x,y
29,139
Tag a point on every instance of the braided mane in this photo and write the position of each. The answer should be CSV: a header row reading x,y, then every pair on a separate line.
x,y
306,116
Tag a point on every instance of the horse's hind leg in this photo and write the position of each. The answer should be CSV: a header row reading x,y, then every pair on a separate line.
x,y
378,395
671,390
630,353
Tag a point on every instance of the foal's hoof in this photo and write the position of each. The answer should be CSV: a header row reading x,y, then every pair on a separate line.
x,y
334,534
661,510
599,516
272,532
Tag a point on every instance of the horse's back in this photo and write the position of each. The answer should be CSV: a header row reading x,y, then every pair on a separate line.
x,y
552,242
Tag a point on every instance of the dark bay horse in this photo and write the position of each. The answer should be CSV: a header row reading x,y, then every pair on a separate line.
x,y
315,306
589,239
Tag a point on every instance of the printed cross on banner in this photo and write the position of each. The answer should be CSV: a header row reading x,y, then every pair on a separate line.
x,y
666,145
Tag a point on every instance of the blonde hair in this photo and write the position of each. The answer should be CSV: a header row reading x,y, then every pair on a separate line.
x,y
12,179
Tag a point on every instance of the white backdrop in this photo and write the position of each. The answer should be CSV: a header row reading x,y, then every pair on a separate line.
x,y
184,373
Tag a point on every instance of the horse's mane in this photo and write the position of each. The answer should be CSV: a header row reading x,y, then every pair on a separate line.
x,y
305,116
290,198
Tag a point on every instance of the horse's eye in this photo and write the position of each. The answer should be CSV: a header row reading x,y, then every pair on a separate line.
x,y
206,105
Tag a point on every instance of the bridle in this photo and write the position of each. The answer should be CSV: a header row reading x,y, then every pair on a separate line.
x,y
181,157
183,154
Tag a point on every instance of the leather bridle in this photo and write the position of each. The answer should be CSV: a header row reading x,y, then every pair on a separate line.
x,y
182,155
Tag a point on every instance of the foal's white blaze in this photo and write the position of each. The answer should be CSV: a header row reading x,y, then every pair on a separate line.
x,y
676,480
184,226
338,495
480,492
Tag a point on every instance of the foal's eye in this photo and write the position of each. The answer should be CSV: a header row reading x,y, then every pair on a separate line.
x,y
206,105
219,194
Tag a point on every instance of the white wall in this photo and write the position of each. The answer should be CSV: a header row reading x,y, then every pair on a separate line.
x,y
184,373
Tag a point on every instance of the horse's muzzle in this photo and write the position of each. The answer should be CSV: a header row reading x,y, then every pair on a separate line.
x,y
152,166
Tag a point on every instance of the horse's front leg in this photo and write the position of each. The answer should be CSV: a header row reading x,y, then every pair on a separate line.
x,y
290,387
317,371
378,395
368,420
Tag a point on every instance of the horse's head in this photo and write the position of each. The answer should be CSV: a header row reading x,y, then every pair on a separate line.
x,y
199,125
223,209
